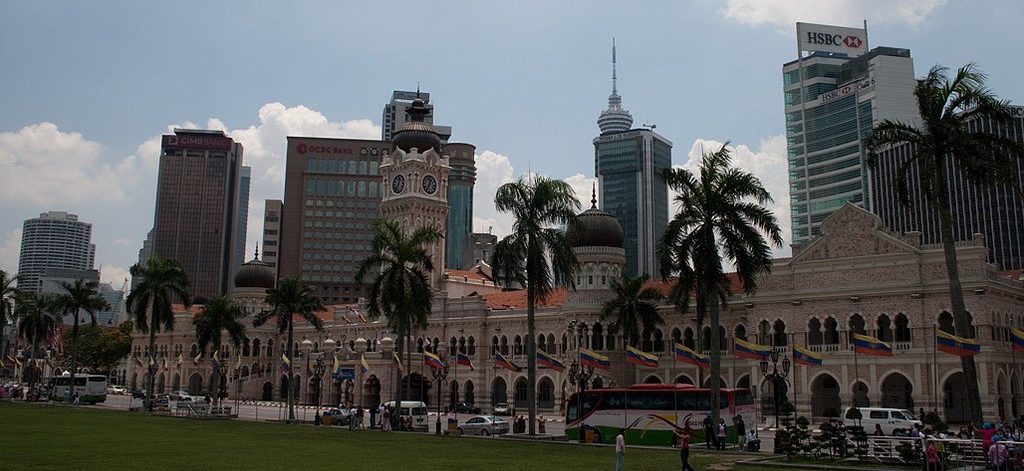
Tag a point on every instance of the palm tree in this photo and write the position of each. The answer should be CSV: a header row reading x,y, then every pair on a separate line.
x,y
163,283
78,297
401,291
291,298
38,315
219,315
8,292
945,144
536,254
633,307
720,212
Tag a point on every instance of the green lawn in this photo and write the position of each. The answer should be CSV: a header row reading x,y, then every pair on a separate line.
x,y
40,437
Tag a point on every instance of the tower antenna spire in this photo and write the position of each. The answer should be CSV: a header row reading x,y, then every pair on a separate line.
x,y
593,195
615,78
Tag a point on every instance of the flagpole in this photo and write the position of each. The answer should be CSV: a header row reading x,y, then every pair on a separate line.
x,y
856,374
675,390
935,371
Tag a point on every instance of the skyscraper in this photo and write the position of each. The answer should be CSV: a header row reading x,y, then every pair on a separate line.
x,y
459,252
332,195
628,165
55,239
845,92
243,216
996,212
272,210
197,199
395,114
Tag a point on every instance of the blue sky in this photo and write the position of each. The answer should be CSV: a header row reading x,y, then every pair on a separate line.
x,y
86,87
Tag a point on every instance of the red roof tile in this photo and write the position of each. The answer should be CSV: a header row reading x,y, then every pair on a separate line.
x,y
476,275
663,286
517,299
1012,274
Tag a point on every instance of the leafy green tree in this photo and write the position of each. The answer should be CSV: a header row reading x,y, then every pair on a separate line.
x,y
536,254
150,304
100,348
8,292
401,291
721,215
219,315
291,299
37,317
78,297
945,145
634,306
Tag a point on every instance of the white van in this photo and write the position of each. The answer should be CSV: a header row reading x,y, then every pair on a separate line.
x,y
892,421
416,409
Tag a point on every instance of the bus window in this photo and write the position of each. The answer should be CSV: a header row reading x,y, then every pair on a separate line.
x,y
743,398
650,400
612,400
688,401
570,413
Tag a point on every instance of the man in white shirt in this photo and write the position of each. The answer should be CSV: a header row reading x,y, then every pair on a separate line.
x,y
620,449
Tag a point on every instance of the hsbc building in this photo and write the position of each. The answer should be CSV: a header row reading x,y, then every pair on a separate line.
x,y
835,91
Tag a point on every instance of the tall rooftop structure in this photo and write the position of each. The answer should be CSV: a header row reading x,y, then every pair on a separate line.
x,y
197,199
395,114
461,180
833,98
243,215
56,240
628,164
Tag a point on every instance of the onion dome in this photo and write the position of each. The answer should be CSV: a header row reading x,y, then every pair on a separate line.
x,y
255,274
596,228
417,133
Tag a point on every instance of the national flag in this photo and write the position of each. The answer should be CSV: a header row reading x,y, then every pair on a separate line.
x,y
398,362
642,358
215,360
344,317
285,362
751,351
152,361
503,362
866,345
545,358
238,362
1017,338
335,366
362,318
163,364
464,360
686,355
803,356
180,359
56,337
195,361
959,346
594,359
138,361
363,365
432,360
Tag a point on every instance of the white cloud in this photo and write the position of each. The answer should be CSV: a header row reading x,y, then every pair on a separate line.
x,y
492,171
768,163
785,13
10,247
114,275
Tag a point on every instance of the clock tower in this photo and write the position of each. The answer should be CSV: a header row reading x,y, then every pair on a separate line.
x,y
416,183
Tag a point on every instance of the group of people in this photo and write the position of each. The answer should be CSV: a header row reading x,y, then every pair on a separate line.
x,y
715,434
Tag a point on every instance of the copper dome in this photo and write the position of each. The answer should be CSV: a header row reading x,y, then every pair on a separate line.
x,y
255,274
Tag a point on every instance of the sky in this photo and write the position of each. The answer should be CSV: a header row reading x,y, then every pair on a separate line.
x,y
87,88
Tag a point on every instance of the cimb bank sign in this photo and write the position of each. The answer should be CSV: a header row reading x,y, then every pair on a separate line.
x,y
827,38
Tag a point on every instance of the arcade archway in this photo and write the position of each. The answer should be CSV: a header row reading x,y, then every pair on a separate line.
x,y
825,401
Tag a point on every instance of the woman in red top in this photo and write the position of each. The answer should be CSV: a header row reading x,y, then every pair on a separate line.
x,y
932,457
683,440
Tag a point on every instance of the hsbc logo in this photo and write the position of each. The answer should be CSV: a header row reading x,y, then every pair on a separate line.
x,y
825,39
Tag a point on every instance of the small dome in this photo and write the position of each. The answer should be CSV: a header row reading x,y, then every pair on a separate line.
x,y
417,133
255,274
596,228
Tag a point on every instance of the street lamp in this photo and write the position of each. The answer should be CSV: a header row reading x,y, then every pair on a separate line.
x,y
440,375
778,378
330,346
579,376
317,368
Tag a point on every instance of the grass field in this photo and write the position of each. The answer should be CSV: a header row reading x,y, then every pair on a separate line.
x,y
42,437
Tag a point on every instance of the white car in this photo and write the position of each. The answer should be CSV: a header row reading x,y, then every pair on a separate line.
x,y
483,425
891,421
183,396
116,390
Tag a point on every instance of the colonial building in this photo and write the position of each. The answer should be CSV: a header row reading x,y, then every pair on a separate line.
x,y
855,277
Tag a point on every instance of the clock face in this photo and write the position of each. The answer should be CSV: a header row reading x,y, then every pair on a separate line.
x,y
398,184
429,184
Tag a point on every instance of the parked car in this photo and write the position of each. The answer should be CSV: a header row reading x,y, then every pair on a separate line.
x,y
503,409
139,394
892,421
466,408
116,390
183,396
339,416
483,425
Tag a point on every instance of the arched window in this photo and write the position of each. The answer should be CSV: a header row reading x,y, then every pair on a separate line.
x,y
517,346
453,344
541,342
419,345
856,326
814,336
677,336
659,341
831,336
902,333
551,344
434,345
884,328
648,341
609,338
504,345
256,347
779,334
270,349
764,333
462,345
740,332
471,345
688,340
946,323
597,337
565,343
494,345
705,338
245,347
721,338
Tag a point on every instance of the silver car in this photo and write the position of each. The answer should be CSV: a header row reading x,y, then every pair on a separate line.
x,y
483,425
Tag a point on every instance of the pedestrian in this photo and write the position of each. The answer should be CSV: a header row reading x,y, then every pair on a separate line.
x,y
76,398
359,415
683,442
385,420
931,455
997,454
373,416
720,436
620,449
709,432
741,432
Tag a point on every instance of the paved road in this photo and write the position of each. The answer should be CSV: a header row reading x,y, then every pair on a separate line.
x,y
277,411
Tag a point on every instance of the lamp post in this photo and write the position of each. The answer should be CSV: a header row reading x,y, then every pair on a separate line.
x,y
222,371
330,347
579,376
315,365
777,377
440,375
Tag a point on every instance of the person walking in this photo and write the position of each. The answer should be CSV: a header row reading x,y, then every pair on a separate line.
x,y
720,437
709,432
683,442
997,454
931,455
620,449
741,432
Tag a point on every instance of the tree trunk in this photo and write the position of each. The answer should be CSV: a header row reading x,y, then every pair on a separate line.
x,y
151,361
32,361
531,346
74,357
408,362
398,375
961,321
291,378
716,363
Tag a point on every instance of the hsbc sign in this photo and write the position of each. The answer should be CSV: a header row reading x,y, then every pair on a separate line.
x,y
825,38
